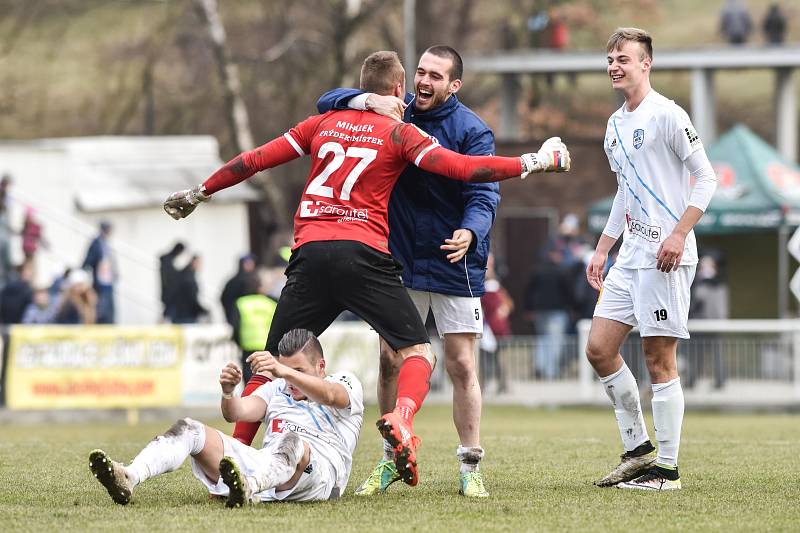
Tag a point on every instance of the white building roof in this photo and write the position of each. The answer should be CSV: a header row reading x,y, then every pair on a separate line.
x,y
112,173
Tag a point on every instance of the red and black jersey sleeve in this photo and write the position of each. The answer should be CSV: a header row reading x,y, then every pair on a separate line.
x,y
425,152
293,144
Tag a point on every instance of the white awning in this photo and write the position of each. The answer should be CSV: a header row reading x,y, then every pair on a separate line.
x,y
113,173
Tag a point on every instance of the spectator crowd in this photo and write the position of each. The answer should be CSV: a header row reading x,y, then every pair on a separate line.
x,y
80,295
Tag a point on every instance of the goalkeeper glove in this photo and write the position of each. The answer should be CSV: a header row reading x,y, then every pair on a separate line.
x,y
553,156
180,204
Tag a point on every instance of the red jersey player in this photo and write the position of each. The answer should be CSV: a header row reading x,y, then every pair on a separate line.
x,y
340,257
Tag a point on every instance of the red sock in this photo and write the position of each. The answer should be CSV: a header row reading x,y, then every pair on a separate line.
x,y
413,384
245,432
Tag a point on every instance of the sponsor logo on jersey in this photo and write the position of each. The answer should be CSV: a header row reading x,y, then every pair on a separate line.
x,y
346,380
644,230
694,139
613,143
280,426
310,209
638,138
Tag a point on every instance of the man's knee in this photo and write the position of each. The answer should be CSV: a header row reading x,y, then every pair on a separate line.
x,y
292,448
184,425
658,362
190,430
597,353
390,362
419,350
659,350
605,339
460,366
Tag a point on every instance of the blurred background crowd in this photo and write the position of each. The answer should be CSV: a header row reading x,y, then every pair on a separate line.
x,y
158,71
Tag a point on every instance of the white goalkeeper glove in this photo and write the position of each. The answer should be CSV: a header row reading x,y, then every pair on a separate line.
x,y
553,156
180,204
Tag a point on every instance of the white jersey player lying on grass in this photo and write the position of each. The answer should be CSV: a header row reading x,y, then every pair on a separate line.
x,y
312,427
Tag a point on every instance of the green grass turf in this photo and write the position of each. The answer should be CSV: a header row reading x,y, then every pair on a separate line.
x,y
739,473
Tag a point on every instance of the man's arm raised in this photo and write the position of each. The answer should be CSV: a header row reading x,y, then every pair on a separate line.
x,y
248,409
180,204
422,151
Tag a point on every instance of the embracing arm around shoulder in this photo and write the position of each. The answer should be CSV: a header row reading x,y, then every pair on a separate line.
x,y
339,98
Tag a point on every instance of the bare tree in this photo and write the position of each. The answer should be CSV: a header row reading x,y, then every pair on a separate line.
x,y
347,17
236,112
239,122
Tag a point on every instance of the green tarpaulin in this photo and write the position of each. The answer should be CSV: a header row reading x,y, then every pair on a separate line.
x,y
757,189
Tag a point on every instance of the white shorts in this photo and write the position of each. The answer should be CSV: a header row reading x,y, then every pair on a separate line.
x,y
453,314
317,484
657,302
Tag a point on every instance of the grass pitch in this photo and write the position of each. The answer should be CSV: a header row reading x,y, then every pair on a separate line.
x,y
739,472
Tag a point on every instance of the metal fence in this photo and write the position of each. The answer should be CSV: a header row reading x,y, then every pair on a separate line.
x,y
726,363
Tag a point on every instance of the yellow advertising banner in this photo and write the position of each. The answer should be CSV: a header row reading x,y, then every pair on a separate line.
x,y
93,367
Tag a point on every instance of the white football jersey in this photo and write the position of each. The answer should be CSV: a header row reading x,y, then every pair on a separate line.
x,y
329,431
647,148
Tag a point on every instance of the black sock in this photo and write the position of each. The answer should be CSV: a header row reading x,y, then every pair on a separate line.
x,y
642,449
668,473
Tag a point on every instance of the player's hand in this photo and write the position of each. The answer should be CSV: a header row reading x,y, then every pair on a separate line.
x,y
180,204
553,156
388,106
457,245
263,362
229,377
670,252
595,269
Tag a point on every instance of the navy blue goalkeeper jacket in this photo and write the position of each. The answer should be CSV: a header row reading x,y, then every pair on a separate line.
x,y
425,209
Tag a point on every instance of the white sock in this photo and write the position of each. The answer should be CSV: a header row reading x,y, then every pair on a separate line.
x,y
623,392
279,463
470,457
167,452
668,418
388,451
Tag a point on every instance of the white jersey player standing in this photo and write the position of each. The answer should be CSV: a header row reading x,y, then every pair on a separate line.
x,y
312,427
653,148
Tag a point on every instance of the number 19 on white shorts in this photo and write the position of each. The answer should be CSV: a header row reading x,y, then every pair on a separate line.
x,y
657,302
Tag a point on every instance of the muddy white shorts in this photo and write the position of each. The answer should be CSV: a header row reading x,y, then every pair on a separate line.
x,y
657,302
453,314
316,483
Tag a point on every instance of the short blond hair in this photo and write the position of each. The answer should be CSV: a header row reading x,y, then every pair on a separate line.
x,y
636,35
381,72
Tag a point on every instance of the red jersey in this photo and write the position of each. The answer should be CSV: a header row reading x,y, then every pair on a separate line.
x,y
357,157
